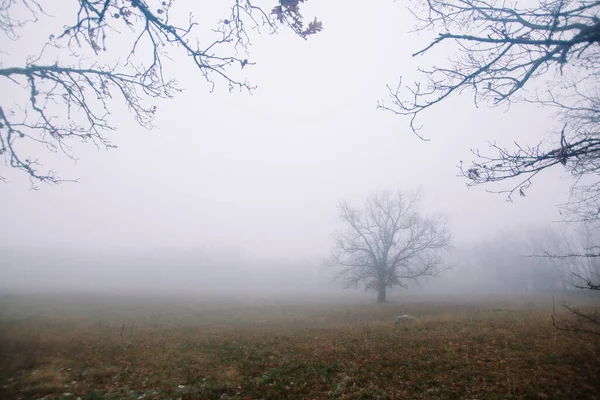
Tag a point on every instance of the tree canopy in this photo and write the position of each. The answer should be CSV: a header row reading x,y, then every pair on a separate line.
x,y
544,52
63,92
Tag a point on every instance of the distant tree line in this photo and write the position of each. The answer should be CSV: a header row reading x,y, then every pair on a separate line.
x,y
515,260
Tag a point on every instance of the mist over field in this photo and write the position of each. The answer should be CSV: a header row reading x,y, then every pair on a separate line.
x,y
244,188
299,199
226,272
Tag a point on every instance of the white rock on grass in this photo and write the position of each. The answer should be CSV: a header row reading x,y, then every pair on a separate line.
x,y
403,318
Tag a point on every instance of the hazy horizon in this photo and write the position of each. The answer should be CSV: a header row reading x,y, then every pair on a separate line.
x,y
263,173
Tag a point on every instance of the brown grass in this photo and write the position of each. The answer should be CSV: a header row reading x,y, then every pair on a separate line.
x,y
100,348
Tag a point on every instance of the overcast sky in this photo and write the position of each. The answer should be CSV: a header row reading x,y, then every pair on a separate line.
x,y
265,171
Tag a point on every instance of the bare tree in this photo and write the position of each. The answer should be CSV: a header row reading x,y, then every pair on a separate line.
x,y
500,48
63,93
388,243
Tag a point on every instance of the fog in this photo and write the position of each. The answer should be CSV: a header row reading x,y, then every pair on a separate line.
x,y
237,192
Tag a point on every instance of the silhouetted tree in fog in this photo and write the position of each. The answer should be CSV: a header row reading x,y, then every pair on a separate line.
x,y
63,93
388,243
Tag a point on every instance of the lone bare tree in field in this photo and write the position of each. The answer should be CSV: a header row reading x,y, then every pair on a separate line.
x,y
388,243
63,92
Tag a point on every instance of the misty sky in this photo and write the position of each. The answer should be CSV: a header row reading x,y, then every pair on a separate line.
x,y
265,171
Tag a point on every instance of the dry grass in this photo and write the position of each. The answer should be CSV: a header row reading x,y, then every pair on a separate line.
x,y
107,348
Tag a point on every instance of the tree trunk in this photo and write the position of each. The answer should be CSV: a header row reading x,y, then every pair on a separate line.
x,y
381,294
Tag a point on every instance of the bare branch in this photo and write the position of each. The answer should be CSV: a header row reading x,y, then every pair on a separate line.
x,y
586,323
63,103
500,48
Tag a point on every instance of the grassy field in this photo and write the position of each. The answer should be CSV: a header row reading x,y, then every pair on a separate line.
x,y
95,347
